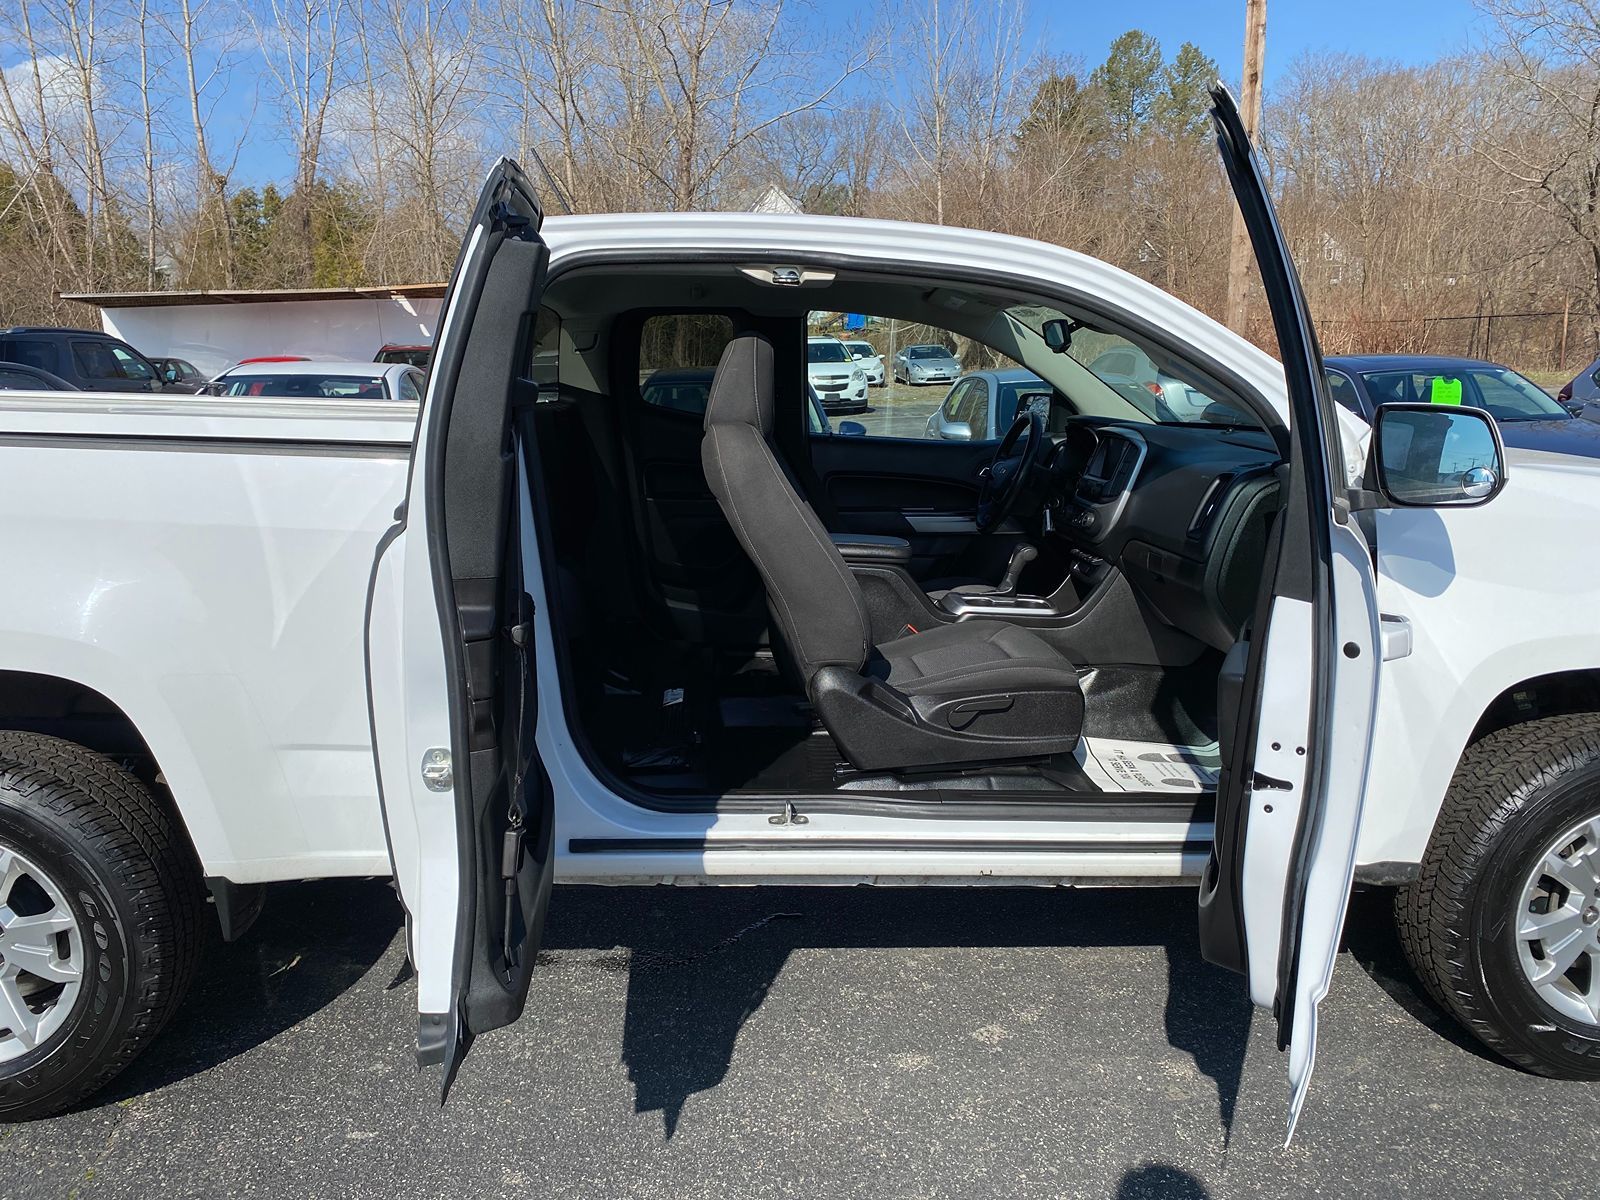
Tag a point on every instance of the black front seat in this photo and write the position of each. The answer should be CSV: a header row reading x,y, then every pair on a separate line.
x,y
978,691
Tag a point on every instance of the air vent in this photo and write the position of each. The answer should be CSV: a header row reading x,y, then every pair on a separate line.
x,y
1209,504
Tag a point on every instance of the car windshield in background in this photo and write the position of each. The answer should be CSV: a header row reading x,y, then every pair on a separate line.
x,y
826,352
860,348
1504,394
303,387
1033,396
928,352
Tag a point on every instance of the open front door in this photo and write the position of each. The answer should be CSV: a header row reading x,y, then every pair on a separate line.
x,y
450,662
1273,900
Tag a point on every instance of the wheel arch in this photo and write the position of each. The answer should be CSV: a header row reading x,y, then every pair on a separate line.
x,y
1558,694
1553,694
77,711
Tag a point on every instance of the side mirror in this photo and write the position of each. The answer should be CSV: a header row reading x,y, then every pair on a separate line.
x,y
857,355
956,431
1590,410
1437,456
1057,334
852,429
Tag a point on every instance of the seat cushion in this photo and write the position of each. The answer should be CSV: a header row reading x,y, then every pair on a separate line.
x,y
972,657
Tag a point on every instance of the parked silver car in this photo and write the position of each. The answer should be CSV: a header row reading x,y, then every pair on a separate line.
x,y
926,364
981,406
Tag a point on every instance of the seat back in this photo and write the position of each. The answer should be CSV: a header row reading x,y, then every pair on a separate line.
x,y
812,594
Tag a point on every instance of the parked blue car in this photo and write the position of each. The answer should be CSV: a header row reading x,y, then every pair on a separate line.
x,y
1529,418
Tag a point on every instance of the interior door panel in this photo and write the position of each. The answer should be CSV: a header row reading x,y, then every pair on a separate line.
x,y
923,491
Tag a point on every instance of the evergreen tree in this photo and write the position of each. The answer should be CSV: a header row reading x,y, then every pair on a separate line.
x,y
1130,82
1180,109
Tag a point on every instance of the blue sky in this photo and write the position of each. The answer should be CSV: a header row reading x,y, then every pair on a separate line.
x,y
1407,31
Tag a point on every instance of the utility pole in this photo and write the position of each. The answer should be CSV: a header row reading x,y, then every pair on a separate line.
x,y
1239,253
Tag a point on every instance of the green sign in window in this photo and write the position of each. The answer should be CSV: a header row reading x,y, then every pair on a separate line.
x,y
1445,391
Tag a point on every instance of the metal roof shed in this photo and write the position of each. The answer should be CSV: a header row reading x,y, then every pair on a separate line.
x,y
216,329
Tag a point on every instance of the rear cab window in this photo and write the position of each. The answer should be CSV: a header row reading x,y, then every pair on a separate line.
x,y
678,355
303,387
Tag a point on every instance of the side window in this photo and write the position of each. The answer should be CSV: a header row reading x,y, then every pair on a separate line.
x,y
410,388
954,401
17,381
30,352
1344,393
131,366
925,381
975,411
95,361
678,355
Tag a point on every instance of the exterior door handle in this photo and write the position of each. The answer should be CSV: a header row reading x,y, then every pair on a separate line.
x,y
1396,634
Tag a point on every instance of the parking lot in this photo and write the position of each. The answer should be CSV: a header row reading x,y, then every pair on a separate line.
x,y
821,1042
897,410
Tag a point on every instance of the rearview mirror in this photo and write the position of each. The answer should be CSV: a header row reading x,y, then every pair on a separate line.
x,y
1437,456
1057,334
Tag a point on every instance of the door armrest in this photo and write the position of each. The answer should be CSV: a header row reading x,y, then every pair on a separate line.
x,y
878,549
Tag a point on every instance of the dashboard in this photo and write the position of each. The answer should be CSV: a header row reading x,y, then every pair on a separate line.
x,y
1183,511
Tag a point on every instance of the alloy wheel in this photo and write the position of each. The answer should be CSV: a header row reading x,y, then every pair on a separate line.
x,y
41,956
1558,924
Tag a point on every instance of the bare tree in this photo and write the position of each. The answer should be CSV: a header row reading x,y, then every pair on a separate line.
x,y
1549,54
696,82
300,42
958,98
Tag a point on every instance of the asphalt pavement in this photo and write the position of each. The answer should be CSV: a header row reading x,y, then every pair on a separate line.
x,y
817,1042
897,410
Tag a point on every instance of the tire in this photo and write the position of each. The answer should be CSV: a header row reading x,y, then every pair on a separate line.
x,y
1516,793
123,869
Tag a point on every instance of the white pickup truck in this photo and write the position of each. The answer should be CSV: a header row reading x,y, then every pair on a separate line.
x,y
545,630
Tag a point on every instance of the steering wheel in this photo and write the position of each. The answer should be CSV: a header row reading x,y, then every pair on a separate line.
x,y
1005,479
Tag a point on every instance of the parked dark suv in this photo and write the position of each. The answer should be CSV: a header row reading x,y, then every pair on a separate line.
x,y
95,362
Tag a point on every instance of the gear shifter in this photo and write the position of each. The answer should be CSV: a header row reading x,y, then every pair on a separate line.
x,y
1020,557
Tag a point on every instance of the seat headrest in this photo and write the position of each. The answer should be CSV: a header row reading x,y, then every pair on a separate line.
x,y
742,388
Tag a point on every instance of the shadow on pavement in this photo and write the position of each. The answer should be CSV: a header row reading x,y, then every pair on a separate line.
x,y
1157,1181
1371,939
702,961
312,942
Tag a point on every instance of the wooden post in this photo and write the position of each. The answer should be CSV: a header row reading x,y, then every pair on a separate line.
x,y
1566,316
1239,253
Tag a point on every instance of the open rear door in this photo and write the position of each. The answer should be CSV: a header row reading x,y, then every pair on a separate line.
x,y
1273,901
450,663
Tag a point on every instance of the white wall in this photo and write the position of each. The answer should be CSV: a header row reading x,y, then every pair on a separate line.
x,y
216,336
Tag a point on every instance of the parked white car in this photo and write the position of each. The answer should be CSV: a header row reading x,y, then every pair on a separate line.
x,y
312,380
837,378
254,639
868,359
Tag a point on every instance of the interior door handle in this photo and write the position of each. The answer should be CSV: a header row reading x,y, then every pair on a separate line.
x,y
1396,634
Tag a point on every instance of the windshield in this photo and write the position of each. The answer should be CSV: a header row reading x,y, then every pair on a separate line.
x,y
328,387
862,348
1127,369
1504,394
927,352
826,352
